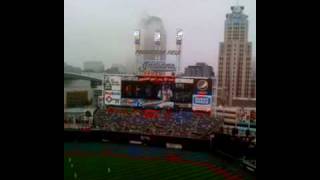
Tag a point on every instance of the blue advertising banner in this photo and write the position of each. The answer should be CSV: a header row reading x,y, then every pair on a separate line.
x,y
201,103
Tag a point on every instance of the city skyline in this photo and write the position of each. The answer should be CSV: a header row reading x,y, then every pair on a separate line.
x,y
103,30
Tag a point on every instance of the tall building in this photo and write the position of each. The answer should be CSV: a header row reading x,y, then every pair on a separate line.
x,y
93,66
234,59
153,37
253,79
199,70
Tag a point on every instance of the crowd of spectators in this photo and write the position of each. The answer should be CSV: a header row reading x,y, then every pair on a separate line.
x,y
154,122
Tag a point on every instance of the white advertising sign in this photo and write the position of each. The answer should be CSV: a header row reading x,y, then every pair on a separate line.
x,y
112,97
113,83
180,80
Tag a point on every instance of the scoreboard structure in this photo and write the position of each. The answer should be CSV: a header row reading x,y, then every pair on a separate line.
x,y
154,91
141,63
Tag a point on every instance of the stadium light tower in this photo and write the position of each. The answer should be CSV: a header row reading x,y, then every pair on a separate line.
x,y
179,37
137,39
157,37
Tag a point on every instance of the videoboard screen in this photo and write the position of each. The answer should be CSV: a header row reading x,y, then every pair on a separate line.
x,y
147,94
147,90
183,93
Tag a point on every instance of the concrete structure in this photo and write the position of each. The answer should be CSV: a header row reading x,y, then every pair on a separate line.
x,y
234,68
112,70
84,76
91,86
93,66
228,114
236,117
235,114
244,102
71,69
117,69
72,115
199,70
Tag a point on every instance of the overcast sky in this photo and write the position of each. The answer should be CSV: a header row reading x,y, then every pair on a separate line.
x,y
102,30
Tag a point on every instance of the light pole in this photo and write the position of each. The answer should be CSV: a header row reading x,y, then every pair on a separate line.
x,y
137,38
179,37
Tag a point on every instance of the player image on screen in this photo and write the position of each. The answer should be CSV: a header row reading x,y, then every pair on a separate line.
x,y
151,95
165,93
148,91
128,90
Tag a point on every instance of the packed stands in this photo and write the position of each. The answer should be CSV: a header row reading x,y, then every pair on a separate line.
x,y
154,122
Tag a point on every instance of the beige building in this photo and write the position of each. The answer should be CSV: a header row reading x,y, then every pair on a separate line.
x,y
234,68
253,80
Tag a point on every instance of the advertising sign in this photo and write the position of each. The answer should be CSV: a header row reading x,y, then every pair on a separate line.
x,y
112,97
113,83
133,102
181,80
159,79
203,87
157,66
183,105
150,52
174,52
201,103
169,52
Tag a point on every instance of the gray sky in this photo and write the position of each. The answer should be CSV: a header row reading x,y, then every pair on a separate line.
x,y
103,29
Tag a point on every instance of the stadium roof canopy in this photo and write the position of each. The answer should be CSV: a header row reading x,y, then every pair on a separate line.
x,y
70,75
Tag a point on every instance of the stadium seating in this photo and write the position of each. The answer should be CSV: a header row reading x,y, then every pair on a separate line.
x,y
154,122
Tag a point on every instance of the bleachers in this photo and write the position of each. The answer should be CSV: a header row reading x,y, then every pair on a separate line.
x,y
154,122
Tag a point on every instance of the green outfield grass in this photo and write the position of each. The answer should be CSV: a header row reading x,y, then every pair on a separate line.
x,y
95,168
89,162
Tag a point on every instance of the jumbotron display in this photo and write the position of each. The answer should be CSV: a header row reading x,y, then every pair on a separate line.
x,y
159,92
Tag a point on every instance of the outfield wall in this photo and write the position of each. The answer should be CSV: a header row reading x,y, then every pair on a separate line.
x,y
232,146
119,137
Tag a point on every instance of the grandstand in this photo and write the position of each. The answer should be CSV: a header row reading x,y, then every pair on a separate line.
x,y
154,122
154,112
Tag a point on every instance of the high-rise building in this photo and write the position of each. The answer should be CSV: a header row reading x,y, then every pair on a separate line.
x,y
234,68
253,79
153,37
199,70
